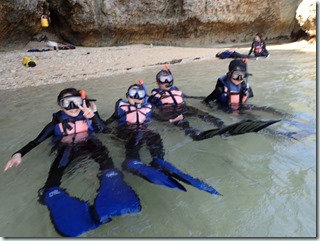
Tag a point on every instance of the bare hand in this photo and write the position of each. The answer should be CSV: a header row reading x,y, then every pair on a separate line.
x,y
14,161
87,111
178,118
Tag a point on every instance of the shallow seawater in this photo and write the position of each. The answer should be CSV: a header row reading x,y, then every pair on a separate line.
x,y
268,181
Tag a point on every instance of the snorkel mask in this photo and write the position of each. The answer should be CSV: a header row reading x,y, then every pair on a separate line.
x,y
70,102
136,93
166,79
238,75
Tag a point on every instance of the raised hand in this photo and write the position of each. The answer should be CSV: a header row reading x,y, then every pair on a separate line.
x,y
87,111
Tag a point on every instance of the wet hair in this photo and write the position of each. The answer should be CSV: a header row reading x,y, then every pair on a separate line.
x,y
71,91
162,72
237,65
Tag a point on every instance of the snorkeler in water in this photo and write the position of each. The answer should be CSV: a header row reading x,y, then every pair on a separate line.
x,y
133,116
71,129
171,106
232,90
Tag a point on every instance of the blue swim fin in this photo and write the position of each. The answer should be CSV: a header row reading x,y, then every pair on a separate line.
x,y
150,174
70,216
115,197
186,178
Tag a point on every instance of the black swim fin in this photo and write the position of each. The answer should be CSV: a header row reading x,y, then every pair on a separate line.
x,y
239,128
171,170
71,217
246,126
115,197
150,174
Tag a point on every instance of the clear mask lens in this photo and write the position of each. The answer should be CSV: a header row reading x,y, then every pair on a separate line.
x,y
166,79
238,75
136,93
71,102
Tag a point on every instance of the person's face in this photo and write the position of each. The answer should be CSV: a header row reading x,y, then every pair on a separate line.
x,y
65,102
163,86
257,38
134,101
136,95
165,82
237,77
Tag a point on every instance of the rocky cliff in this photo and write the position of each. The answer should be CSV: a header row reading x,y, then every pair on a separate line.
x,y
306,16
167,22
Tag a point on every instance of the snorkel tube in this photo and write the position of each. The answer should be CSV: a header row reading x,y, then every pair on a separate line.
x,y
247,74
145,89
167,68
169,71
83,95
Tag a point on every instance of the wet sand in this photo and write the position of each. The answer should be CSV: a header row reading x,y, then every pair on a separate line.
x,y
85,63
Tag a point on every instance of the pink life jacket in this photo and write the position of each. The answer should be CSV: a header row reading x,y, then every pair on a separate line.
x,y
169,97
135,115
76,127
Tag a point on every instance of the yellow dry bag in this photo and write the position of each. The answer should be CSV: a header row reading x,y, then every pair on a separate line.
x,y
44,21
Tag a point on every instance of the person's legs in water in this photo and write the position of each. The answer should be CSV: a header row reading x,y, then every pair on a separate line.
x,y
134,165
154,144
133,145
66,153
60,163
205,116
99,153
185,125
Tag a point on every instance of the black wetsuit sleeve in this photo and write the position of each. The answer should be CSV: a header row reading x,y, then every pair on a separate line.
x,y
252,46
97,123
47,131
215,93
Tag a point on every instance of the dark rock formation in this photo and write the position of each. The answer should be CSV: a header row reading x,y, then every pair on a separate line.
x,y
167,22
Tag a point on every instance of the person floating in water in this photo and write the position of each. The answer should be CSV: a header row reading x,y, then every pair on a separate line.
x,y
71,129
133,117
171,106
258,47
232,90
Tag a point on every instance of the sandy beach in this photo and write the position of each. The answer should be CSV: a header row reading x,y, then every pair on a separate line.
x,y
84,63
